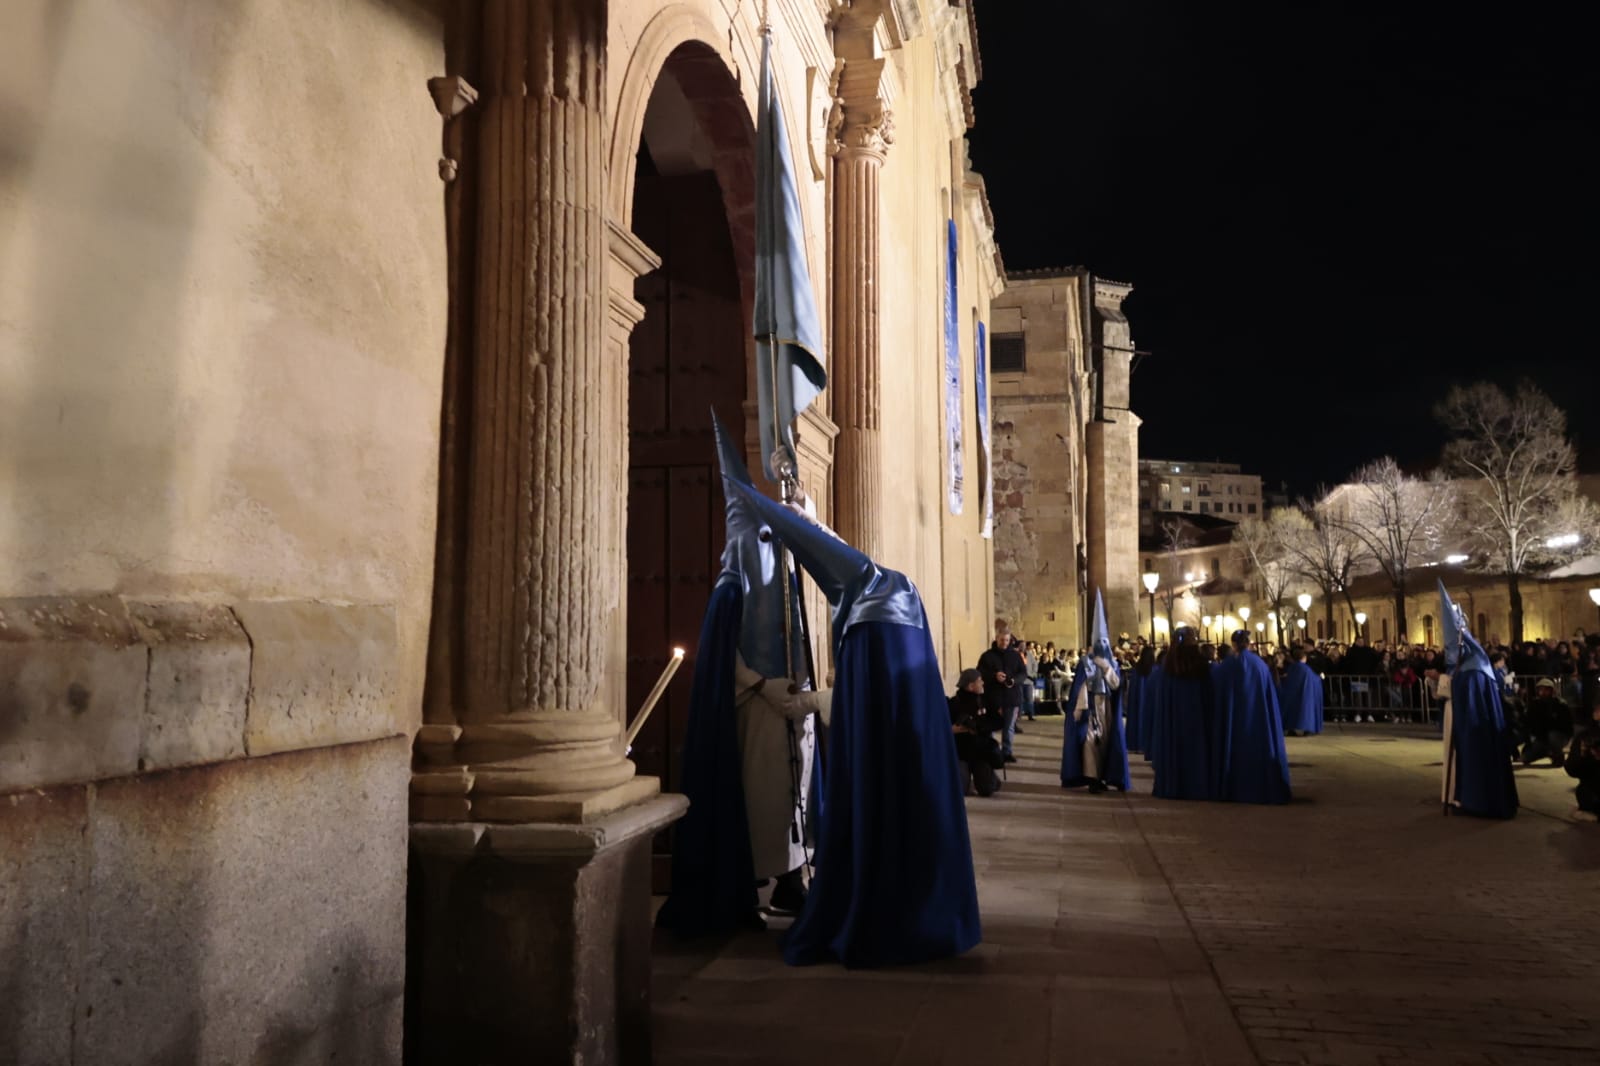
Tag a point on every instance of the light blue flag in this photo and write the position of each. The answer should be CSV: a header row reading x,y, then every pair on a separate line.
x,y
789,377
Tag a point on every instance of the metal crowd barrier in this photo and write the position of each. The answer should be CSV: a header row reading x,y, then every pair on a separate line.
x,y
1364,695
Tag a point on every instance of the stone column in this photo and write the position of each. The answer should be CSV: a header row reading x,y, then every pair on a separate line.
x,y
529,917
865,130
535,579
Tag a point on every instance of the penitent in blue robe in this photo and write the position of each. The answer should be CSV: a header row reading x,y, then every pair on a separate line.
x,y
1300,697
1249,761
1181,737
1484,783
713,880
1114,761
894,881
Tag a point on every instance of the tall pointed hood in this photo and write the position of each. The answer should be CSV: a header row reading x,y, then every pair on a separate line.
x,y
1100,648
753,561
858,589
1461,651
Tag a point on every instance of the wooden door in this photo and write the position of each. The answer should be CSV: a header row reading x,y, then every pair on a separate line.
x,y
688,354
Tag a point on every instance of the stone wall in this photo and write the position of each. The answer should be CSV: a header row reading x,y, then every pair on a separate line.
x,y
221,329
1041,465
203,822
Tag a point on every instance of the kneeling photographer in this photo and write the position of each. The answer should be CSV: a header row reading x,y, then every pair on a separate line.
x,y
974,728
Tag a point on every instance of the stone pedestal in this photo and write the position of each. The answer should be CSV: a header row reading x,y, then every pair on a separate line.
x,y
531,943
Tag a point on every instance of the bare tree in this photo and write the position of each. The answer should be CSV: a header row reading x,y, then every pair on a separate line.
x,y
1325,554
1176,536
1262,544
1519,504
1400,520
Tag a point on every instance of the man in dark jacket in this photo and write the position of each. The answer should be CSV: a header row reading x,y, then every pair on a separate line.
x,y
1584,764
1003,675
1549,725
974,729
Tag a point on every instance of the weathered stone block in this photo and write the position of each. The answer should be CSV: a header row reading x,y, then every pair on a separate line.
x,y
319,674
72,689
532,943
199,684
43,872
248,911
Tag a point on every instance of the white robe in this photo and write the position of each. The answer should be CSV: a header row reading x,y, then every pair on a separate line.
x,y
1447,783
771,806
1097,739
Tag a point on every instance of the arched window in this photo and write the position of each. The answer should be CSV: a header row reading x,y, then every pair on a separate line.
x,y
1427,629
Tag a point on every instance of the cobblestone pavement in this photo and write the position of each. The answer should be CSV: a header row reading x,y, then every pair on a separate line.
x,y
1356,926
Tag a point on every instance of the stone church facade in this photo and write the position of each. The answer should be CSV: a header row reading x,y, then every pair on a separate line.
x,y
1066,455
355,366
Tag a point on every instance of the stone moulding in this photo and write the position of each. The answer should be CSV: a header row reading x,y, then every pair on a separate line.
x,y
93,688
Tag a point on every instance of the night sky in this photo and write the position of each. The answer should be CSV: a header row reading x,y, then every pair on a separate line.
x,y
1326,220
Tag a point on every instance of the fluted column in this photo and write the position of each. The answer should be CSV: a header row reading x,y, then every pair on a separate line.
x,y
536,580
865,131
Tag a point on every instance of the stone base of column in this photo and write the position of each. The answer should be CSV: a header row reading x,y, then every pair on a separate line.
x,y
531,942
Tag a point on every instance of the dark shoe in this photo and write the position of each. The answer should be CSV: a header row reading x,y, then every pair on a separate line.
x,y
1010,758
789,895
1097,786
1016,729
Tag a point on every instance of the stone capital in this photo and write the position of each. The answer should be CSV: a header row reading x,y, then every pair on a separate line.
x,y
867,129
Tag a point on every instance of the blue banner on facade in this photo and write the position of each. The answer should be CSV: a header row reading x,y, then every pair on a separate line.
x,y
980,356
952,369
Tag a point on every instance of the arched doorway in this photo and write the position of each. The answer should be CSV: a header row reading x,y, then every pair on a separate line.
x,y
693,204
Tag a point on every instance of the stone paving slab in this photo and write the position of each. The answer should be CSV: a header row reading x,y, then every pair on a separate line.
x,y
1354,926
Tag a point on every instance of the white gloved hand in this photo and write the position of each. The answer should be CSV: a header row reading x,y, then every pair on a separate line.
x,y
1113,681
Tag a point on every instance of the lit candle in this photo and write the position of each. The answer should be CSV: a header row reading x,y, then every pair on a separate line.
x,y
655,695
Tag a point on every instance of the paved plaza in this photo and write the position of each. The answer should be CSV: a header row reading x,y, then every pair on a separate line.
x,y
1356,926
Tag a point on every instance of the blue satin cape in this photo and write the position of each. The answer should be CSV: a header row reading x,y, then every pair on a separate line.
x,y
1249,761
713,874
1484,782
1133,730
1300,697
1149,693
894,880
1180,730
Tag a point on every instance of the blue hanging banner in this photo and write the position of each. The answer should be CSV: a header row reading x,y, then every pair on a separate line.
x,y
980,356
952,370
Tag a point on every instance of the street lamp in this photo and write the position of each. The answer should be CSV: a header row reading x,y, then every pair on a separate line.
x,y
1244,612
1205,621
1594,595
1361,623
1301,622
1304,600
1151,580
1260,629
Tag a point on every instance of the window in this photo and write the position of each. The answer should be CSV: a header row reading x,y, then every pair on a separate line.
x,y
1385,629
1186,488
1252,508
1166,486
1216,566
1205,488
1483,627
1188,505
1147,567
1008,353
1427,629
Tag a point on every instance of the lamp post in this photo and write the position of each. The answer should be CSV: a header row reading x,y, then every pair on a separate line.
x,y
1260,630
1304,600
1205,622
1151,580
1594,596
1361,623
